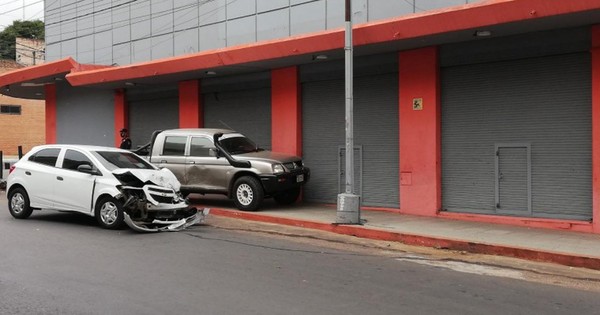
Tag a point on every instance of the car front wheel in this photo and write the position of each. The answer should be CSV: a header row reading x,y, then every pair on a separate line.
x,y
247,193
18,204
109,213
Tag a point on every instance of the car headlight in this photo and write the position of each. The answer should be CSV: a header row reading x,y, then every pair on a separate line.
x,y
278,168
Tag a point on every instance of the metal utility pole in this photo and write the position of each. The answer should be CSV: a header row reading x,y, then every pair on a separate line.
x,y
348,204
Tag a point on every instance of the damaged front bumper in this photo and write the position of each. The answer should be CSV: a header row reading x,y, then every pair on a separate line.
x,y
152,201
157,225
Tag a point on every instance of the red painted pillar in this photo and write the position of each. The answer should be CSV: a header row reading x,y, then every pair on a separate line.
x,y
286,111
420,138
121,114
190,105
595,52
50,91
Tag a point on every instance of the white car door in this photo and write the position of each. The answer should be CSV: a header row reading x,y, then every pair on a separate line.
x,y
73,189
39,173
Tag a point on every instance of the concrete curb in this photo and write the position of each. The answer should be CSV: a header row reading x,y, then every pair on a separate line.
x,y
421,240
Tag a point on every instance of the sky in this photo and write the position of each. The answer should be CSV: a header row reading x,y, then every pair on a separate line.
x,y
11,10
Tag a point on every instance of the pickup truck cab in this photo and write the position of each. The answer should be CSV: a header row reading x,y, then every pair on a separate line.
x,y
220,161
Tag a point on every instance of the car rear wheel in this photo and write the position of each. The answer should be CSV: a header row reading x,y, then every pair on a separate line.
x,y
18,203
109,213
287,197
247,193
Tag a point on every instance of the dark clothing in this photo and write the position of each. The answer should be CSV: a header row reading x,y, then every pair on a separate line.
x,y
125,143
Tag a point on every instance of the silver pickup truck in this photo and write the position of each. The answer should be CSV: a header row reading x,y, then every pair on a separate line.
x,y
220,161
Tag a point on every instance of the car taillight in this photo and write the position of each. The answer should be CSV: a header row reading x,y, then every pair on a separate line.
x,y
12,168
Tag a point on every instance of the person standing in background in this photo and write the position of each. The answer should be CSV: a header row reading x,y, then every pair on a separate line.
x,y
125,141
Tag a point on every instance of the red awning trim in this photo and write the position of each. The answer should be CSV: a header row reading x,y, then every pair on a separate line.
x,y
53,68
465,17
35,72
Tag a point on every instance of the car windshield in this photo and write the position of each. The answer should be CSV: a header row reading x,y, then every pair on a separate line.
x,y
238,145
115,159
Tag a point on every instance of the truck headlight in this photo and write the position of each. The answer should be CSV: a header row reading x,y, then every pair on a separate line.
x,y
278,168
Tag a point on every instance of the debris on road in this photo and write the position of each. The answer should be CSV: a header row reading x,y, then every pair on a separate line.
x,y
167,225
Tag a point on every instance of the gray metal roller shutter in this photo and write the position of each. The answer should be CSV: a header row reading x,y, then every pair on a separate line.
x,y
150,111
323,132
245,111
375,131
543,103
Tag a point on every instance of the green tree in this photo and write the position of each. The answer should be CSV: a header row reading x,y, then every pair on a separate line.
x,y
25,29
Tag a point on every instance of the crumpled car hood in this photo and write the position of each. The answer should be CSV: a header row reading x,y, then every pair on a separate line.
x,y
162,177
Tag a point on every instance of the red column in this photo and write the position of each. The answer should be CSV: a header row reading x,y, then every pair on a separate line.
x,y
595,52
286,111
190,105
50,91
121,114
420,138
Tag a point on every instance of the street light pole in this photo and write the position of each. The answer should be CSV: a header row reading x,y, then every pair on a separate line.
x,y
348,204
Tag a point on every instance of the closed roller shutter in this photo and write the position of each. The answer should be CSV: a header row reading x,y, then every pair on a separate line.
x,y
150,111
375,131
542,104
245,111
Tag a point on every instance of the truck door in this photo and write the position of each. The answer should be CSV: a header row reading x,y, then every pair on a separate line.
x,y
204,171
172,156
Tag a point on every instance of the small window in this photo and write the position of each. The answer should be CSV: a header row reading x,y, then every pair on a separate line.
x,y
10,109
73,159
200,147
174,146
45,156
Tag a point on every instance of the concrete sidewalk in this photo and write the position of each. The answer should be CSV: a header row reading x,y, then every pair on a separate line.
x,y
545,245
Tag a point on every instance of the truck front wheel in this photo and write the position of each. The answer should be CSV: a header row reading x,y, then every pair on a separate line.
x,y
247,193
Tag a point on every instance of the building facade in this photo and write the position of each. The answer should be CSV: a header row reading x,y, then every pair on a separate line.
x,y
30,52
478,111
21,120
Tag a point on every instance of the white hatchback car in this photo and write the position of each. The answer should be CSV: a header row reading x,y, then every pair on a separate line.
x,y
111,184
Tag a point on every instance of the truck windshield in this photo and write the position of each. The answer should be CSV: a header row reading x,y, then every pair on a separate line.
x,y
113,160
238,145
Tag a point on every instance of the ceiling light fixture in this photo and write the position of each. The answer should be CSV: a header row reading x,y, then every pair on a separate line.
x,y
483,33
210,72
320,57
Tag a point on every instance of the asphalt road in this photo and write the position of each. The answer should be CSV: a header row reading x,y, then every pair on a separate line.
x,y
63,263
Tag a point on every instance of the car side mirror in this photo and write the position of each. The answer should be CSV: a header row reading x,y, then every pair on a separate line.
x,y
88,169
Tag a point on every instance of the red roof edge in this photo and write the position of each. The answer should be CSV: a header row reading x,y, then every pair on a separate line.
x,y
38,71
65,65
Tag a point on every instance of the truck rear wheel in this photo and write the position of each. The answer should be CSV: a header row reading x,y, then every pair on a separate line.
x,y
247,193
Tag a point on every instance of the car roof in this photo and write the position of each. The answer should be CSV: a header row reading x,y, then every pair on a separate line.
x,y
85,147
197,131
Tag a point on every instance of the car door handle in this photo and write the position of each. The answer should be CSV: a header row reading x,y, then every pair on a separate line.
x,y
59,178
192,162
27,173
